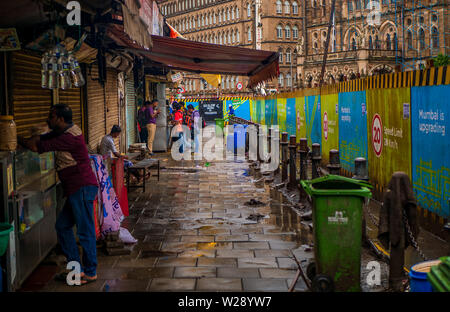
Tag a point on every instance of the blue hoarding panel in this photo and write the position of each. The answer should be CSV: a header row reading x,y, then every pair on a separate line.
x,y
291,117
271,112
352,128
313,119
430,118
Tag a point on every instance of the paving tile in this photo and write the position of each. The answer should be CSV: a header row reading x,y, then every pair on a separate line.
x,y
217,262
148,273
172,284
197,238
195,272
117,285
273,253
174,262
210,253
283,245
264,284
251,245
263,262
271,237
241,237
287,263
136,263
299,286
277,273
219,284
214,245
178,247
237,272
96,286
234,253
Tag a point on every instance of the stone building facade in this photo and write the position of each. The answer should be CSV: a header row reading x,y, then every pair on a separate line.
x,y
233,23
362,42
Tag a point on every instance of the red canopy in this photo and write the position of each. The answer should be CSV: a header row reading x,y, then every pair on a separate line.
x,y
186,55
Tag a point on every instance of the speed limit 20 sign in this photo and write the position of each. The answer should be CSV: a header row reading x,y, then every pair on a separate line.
x,y
377,135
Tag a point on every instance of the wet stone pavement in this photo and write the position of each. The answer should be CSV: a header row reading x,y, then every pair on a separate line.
x,y
194,234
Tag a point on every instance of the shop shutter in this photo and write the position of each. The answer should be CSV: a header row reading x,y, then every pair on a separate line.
x,y
131,111
112,101
72,97
95,109
30,102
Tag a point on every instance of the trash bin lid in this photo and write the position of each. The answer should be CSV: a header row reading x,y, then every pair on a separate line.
x,y
336,185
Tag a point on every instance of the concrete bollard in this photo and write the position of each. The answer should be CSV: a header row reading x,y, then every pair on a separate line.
x,y
303,158
284,156
276,142
292,162
258,143
361,169
334,167
316,159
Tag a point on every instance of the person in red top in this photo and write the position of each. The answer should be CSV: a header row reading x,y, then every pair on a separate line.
x,y
178,128
79,184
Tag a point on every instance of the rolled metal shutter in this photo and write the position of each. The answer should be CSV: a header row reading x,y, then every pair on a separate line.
x,y
112,101
31,103
131,111
72,97
95,109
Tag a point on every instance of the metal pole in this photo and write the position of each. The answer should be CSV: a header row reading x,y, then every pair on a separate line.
x,y
303,158
316,158
292,161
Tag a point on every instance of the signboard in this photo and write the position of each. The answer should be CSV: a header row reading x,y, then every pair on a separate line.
x,y
430,122
211,109
9,41
325,125
176,77
180,90
377,135
239,85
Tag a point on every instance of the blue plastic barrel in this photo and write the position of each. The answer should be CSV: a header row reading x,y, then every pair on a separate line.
x,y
418,276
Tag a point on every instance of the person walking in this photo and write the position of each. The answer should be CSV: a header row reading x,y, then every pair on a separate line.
x,y
79,184
178,128
151,114
195,126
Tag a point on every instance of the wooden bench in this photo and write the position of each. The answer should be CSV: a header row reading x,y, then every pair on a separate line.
x,y
142,165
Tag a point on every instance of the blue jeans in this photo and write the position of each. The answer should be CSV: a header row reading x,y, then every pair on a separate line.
x,y
79,211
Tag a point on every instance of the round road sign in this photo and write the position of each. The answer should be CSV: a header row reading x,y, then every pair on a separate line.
x,y
239,85
377,135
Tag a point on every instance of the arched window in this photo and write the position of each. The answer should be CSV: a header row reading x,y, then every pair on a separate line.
x,y
288,56
228,82
279,31
224,17
287,31
295,32
249,10
228,14
220,38
287,7
233,38
220,17
377,43
281,80
434,38
237,13
350,6
229,38
395,42
203,20
370,43
358,4
232,82
388,42
232,13
421,39
249,30
279,7
238,39
280,59
288,80
294,7
409,40
353,43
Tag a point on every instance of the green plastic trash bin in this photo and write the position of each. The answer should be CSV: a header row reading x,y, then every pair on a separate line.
x,y
5,229
337,222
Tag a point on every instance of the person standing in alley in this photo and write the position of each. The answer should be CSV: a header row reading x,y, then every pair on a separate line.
x,y
151,114
142,123
79,184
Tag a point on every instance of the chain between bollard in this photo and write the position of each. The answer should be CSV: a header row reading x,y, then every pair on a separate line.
x,y
412,239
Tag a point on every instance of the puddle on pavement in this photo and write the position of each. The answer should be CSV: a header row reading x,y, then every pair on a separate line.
x,y
283,215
